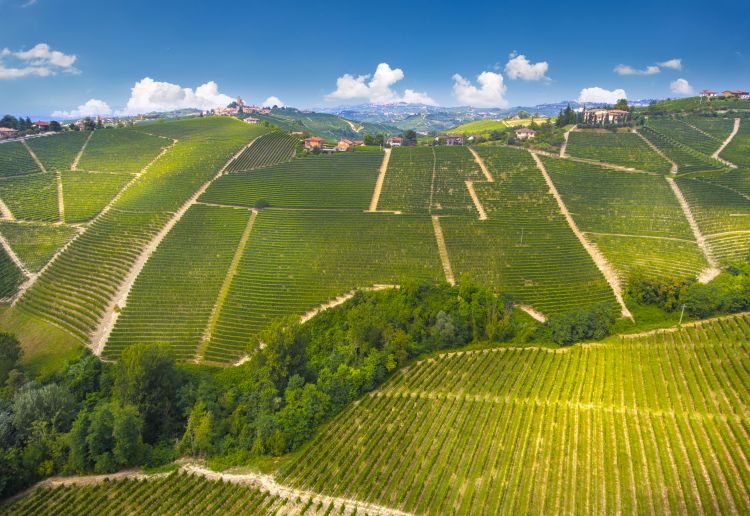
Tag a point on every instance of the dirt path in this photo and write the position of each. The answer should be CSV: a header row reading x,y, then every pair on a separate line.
x,y
713,265
5,211
673,170
475,199
34,157
443,250
380,181
601,262
74,165
481,164
340,300
354,127
119,300
30,276
224,291
716,155
602,164
58,180
536,314
564,146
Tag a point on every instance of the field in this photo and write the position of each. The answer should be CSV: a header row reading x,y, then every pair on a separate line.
x,y
485,127
624,149
111,150
408,180
87,193
738,150
15,160
34,243
717,127
683,133
267,150
687,159
31,197
58,152
657,424
10,275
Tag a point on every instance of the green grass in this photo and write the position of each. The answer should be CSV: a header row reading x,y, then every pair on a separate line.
x,y
485,127
625,149
34,244
120,150
85,194
588,429
58,152
15,160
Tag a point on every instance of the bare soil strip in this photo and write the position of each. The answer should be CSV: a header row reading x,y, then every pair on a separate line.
x,y
33,156
603,164
713,265
340,300
30,276
119,300
536,314
731,136
380,181
58,179
443,250
481,164
564,146
475,199
601,262
224,291
657,150
74,165
5,211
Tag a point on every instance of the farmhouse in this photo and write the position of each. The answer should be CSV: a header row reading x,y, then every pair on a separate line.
x,y
525,133
454,140
252,121
708,93
394,141
44,126
344,145
735,94
601,116
313,143
7,132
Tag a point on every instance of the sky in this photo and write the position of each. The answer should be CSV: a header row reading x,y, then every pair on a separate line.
x,y
71,58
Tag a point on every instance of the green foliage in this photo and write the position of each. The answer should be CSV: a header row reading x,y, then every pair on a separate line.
x,y
591,323
665,292
10,353
50,404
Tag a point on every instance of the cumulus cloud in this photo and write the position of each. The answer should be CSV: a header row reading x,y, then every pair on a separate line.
x,y
622,69
518,67
91,108
681,87
377,88
149,95
490,93
673,64
39,61
273,101
600,95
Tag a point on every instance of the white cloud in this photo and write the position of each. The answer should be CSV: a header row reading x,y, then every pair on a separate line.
x,y
681,86
149,95
91,108
490,93
518,67
273,101
674,64
597,94
622,69
39,61
378,90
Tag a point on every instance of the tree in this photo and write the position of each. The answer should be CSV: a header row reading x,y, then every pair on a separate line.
x,y
127,431
51,403
9,121
410,137
622,104
55,126
10,353
199,434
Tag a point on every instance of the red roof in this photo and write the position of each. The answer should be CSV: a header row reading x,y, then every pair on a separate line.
x,y
708,91
7,130
395,139
40,122
618,111
314,139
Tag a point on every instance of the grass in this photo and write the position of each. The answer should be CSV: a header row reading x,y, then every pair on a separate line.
x,y
485,127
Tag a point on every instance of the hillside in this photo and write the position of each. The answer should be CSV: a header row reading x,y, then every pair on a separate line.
x,y
485,127
325,125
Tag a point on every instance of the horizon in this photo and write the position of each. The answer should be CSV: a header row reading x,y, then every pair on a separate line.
x,y
504,59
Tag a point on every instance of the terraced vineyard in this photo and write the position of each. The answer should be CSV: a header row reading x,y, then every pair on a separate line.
x,y
270,149
408,180
87,193
58,152
625,149
687,159
525,242
124,150
31,197
717,127
34,244
448,193
11,276
297,260
656,424
683,133
344,180
75,291
15,160
173,297
738,150
635,219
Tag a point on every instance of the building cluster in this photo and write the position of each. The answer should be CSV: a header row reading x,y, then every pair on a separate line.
x,y
727,94
343,145
602,116
238,107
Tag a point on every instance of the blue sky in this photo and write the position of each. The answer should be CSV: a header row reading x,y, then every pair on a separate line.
x,y
446,53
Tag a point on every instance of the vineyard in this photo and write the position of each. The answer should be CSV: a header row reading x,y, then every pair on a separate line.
x,y
408,180
525,242
687,159
340,181
59,151
126,150
87,193
10,275
34,243
683,133
738,150
31,197
270,149
656,424
15,160
624,149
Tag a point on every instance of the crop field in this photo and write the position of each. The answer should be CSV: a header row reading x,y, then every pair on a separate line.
x,y
344,180
408,180
625,149
15,160
269,149
525,242
75,291
31,197
10,275
738,150
35,244
682,133
453,167
87,193
656,424
295,261
173,297
717,127
59,151
177,493
120,150
687,159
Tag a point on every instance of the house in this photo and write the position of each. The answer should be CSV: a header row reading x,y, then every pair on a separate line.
x,y
297,133
344,145
735,94
525,133
251,120
601,116
453,139
7,132
313,143
44,126
358,143
708,93
394,141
